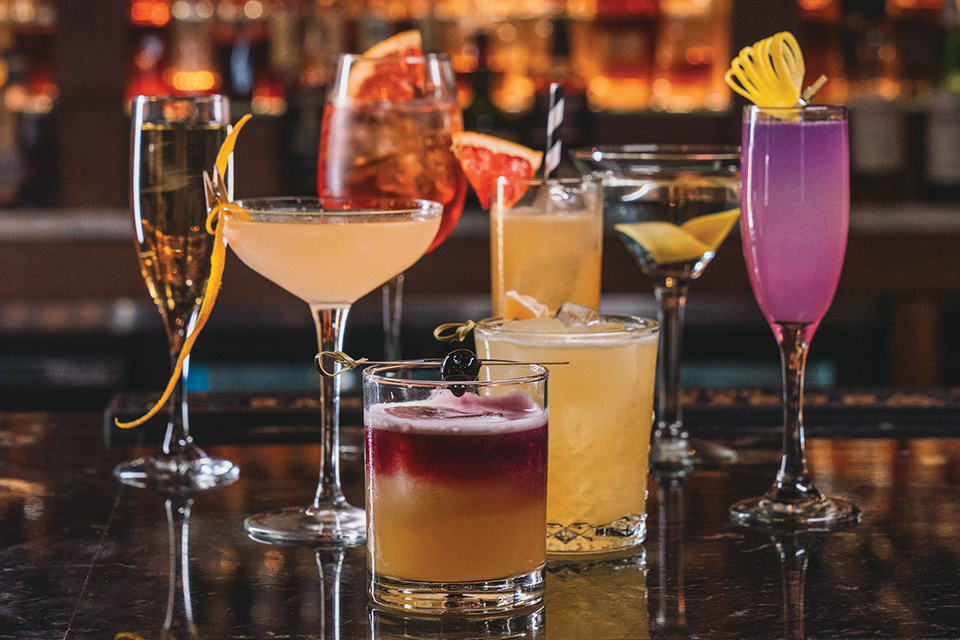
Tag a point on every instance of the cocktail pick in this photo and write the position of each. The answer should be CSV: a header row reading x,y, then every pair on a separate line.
x,y
554,120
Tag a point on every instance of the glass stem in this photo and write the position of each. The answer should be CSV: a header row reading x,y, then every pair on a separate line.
x,y
179,621
392,317
793,482
329,323
177,438
672,300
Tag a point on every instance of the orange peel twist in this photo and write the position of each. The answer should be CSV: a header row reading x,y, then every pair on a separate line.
x,y
220,206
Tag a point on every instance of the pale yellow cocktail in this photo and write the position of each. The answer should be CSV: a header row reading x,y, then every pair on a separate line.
x,y
331,262
549,245
601,413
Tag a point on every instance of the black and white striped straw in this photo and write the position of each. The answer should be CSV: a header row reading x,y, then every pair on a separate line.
x,y
551,158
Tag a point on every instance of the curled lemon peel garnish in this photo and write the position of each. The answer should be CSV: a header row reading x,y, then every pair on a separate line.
x,y
770,73
219,207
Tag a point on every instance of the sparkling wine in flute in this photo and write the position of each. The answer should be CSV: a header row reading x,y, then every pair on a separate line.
x,y
174,140
173,246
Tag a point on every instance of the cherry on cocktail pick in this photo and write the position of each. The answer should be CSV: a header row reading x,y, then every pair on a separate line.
x,y
460,364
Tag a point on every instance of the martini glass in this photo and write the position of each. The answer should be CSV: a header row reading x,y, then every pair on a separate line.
x,y
387,132
328,252
174,139
673,206
796,209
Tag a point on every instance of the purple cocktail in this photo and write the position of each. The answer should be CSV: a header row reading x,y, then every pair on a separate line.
x,y
794,217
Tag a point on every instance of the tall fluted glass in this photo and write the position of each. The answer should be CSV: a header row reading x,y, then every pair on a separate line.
x,y
794,220
174,140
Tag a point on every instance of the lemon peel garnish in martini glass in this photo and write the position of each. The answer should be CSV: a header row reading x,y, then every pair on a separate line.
x,y
770,73
668,243
219,205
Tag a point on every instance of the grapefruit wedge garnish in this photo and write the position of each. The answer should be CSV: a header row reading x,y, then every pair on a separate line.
x,y
485,158
392,77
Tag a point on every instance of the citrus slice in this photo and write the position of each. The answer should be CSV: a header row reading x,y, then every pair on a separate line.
x,y
521,307
485,159
394,78
666,243
405,43
215,221
712,229
770,72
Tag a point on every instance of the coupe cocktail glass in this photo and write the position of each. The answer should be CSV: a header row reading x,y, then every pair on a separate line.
x,y
679,200
174,140
601,412
456,480
387,131
328,252
796,208
549,244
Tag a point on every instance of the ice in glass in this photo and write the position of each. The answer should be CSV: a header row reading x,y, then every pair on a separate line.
x,y
601,413
456,477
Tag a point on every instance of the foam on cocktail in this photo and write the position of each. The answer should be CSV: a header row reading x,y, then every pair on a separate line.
x,y
468,414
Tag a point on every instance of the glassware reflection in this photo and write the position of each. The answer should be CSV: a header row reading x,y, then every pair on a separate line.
x,y
794,550
670,605
387,625
598,600
179,623
330,565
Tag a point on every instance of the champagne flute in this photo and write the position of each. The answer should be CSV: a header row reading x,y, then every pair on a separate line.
x,y
796,209
673,206
174,139
329,252
387,131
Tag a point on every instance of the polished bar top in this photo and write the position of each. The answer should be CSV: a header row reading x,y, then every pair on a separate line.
x,y
82,556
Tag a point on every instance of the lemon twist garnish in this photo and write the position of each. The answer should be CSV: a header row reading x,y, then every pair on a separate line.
x,y
220,206
668,243
770,73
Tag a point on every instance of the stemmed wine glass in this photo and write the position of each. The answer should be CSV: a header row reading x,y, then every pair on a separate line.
x,y
328,252
796,208
387,131
673,206
174,139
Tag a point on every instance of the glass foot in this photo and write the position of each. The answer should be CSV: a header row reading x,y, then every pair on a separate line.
x,y
331,526
582,538
824,514
684,455
184,475
503,595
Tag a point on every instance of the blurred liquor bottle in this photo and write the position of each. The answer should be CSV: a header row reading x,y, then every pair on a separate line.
x,y
192,68
820,38
942,162
574,130
148,47
918,30
878,123
616,51
481,113
692,55
27,96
